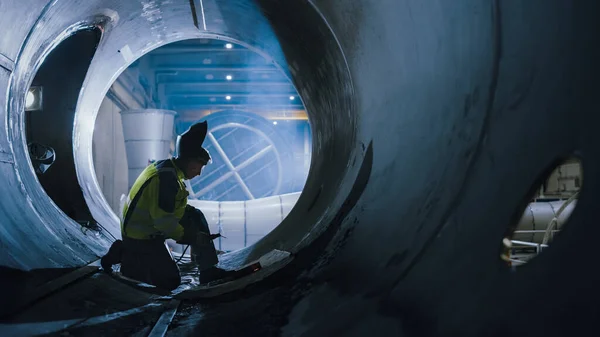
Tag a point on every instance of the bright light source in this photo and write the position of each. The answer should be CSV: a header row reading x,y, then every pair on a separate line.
x,y
229,77
33,99
228,97
275,123
229,46
29,100
292,98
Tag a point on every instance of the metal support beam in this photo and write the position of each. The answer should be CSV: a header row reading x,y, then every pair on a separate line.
x,y
126,97
6,63
234,170
243,152
198,14
267,112
128,82
192,75
198,49
232,94
116,100
203,67
190,112
219,83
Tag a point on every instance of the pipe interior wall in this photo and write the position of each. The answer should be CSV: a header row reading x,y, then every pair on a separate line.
x,y
420,110
53,124
38,221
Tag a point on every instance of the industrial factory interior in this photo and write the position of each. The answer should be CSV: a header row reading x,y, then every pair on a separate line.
x,y
377,167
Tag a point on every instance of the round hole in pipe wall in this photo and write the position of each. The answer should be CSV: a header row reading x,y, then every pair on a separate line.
x,y
49,121
545,215
275,37
258,171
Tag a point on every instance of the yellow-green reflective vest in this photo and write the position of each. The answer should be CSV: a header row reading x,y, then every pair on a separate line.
x,y
160,204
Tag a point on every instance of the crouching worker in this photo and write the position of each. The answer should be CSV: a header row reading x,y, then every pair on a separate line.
x,y
157,210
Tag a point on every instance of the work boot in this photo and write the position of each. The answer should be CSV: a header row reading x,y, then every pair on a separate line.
x,y
112,257
213,274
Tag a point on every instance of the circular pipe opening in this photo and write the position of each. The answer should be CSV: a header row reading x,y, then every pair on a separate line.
x,y
315,65
259,140
49,121
549,208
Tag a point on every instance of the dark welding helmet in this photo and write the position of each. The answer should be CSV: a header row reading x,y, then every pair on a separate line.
x,y
189,143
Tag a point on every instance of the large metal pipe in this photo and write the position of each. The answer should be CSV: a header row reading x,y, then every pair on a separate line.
x,y
432,122
243,223
537,217
126,97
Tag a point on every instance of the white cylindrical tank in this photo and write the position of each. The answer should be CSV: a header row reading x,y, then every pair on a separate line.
x,y
148,136
538,215
244,222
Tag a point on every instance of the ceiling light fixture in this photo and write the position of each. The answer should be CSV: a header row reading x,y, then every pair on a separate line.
x,y
228,97
30,99
228,46
229,77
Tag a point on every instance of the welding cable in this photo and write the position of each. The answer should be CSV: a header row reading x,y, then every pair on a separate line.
x,y
181,257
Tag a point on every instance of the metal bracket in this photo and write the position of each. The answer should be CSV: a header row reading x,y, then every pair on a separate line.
x,y
198,14
7,63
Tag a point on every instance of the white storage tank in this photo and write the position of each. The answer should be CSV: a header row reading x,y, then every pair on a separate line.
x,y
148,135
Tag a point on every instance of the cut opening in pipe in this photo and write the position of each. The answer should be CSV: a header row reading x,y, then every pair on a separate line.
x,y
49,127
336,153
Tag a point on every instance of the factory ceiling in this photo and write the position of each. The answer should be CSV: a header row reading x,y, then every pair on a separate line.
x,y
197,77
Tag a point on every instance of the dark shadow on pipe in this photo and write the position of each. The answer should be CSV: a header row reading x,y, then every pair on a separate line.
x,y
61,77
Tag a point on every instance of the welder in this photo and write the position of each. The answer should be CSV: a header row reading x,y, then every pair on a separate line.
x,y
157,210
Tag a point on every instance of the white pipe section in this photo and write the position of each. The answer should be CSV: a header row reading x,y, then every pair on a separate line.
x,y
245,222
538,215
148,135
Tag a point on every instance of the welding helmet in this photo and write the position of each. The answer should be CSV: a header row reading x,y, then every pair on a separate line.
x,y
189,143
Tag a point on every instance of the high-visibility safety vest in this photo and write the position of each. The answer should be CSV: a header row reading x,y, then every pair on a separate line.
x,y
157,200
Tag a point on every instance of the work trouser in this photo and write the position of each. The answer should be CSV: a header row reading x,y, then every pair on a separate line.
x,y
203,252
151,262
